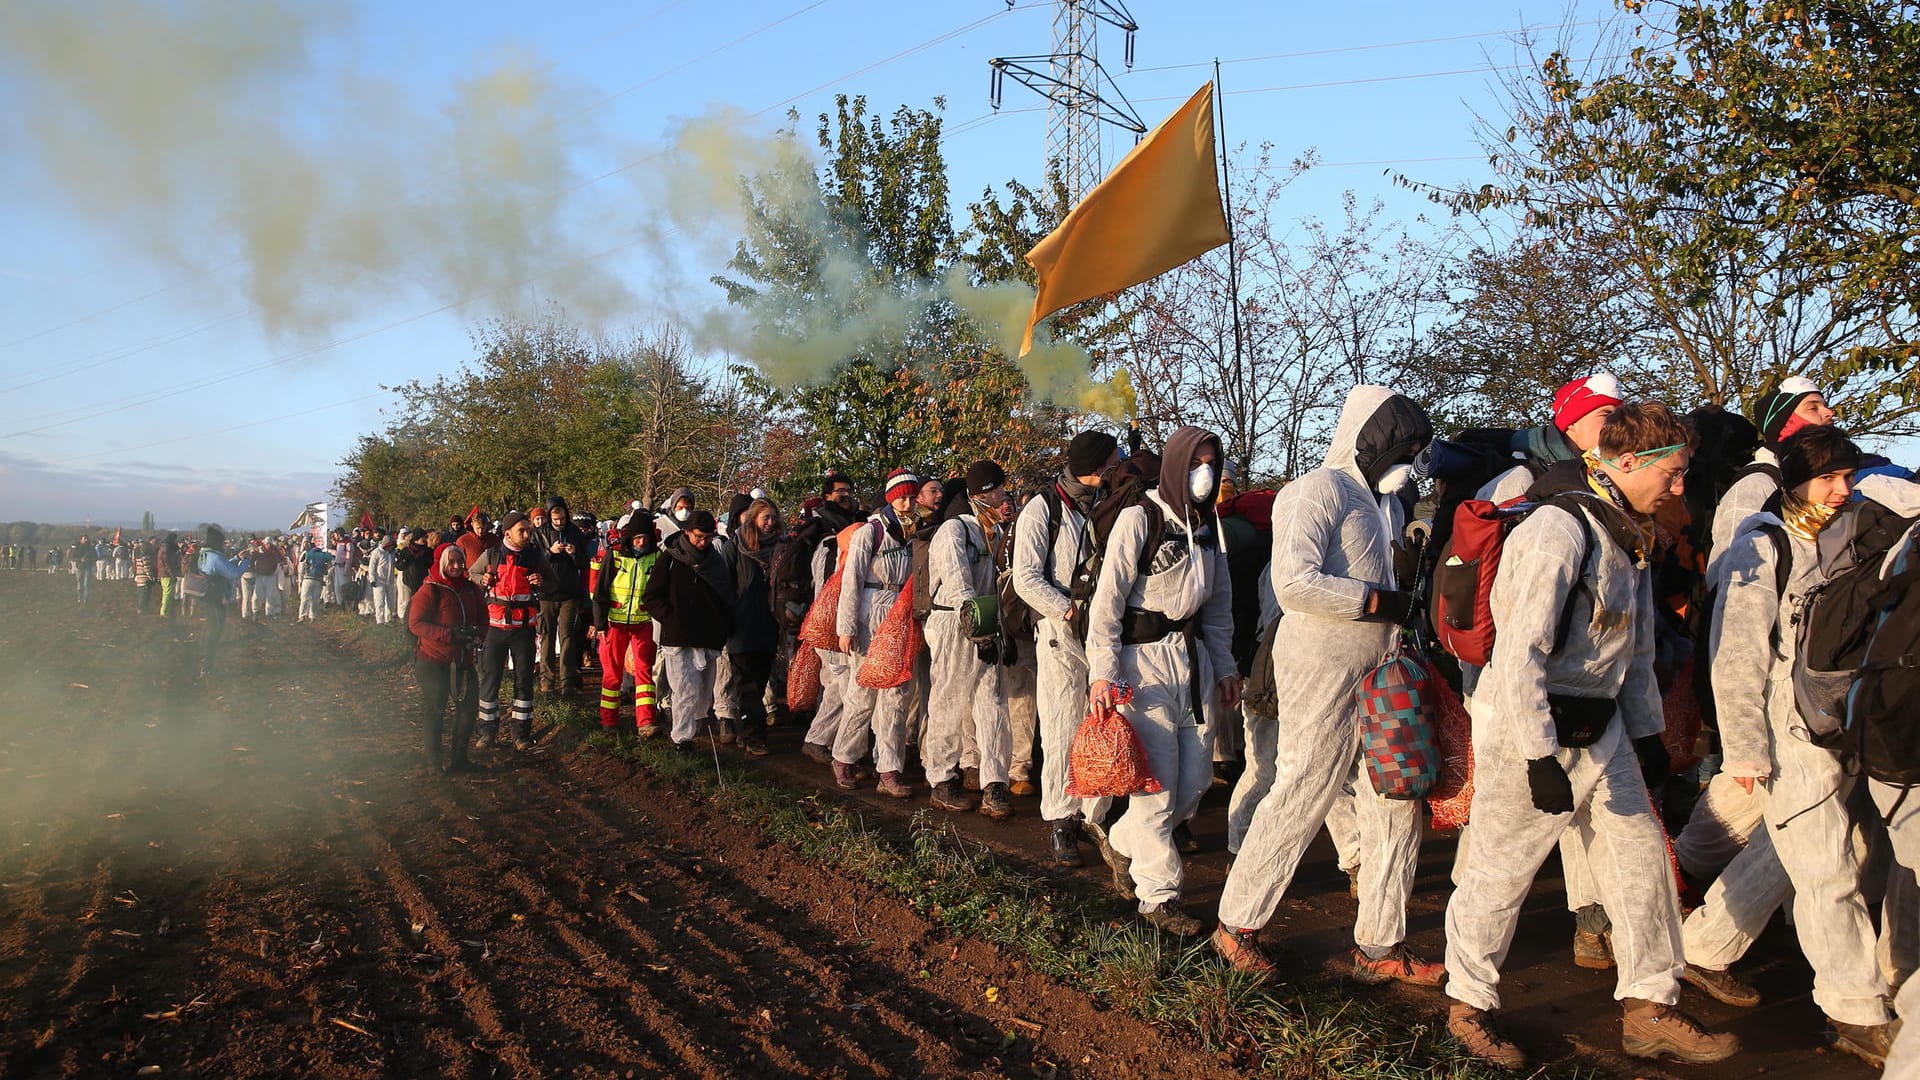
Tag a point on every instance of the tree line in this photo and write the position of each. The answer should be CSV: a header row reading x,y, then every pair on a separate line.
x,y
1714,197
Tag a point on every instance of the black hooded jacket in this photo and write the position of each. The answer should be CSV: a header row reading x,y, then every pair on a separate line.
x,y
690,596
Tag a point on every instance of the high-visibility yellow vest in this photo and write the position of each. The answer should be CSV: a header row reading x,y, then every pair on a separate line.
x,y
629,581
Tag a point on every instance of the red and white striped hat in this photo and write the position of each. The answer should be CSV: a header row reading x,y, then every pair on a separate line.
x,y
1581,396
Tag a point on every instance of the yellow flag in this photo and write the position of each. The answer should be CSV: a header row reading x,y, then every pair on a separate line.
x,y
1158,208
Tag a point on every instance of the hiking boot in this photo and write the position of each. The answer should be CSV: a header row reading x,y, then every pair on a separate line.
x,y
970,778
948,796
1241,952
723,732
522,743
1120,865
844,777
1066,844
1868,1042
894,785
1353,883
753,744
1721,986
1594,951
1400,964
1173,919
995,803
1650,1029
1473,1029
1023,788
814,751
647,731
1183,840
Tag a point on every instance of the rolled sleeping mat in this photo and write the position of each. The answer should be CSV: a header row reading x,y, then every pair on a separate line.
x,y
981,616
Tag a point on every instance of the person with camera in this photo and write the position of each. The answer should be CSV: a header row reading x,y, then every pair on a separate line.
x,y
447,615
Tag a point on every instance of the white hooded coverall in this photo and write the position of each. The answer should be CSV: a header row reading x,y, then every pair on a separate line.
x,y
966,690
877,565
1060,673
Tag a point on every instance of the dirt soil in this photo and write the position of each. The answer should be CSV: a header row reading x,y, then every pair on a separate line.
x,y
249,876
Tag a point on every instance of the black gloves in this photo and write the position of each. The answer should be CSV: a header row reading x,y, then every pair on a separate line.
x,y
1655,762
1392,606
1552,790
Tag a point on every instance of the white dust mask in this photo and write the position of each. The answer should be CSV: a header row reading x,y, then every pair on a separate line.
x,y
1200,481
1394,479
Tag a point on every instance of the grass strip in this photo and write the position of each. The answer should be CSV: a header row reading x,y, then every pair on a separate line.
x,y
1293,1029
390,643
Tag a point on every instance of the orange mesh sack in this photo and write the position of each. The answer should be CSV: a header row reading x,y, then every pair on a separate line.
x,y
1108,759
822,618
1452,793
1682,707
895,644
803,679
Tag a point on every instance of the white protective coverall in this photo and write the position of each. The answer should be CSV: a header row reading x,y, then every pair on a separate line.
x,y
878,564
831,708
967,693
1809,852
1747,497
1186,579
1332,548
1903,828
1608,655
1040,576
1260,744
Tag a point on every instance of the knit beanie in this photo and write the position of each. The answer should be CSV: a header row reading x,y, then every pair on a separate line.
x,y
1773,413
1579,397
984,476
1815,451
514,517
1088,452
900,479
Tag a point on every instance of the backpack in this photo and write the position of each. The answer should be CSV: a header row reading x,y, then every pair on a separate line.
x,y
1838,617
1017,619
1128,488
790,578
1461,611
1464,464
1881,720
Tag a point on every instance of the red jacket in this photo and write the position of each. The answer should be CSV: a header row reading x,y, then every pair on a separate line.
x,y
439,607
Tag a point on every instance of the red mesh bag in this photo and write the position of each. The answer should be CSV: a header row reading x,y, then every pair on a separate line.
x,y
895,644
1452,793
1108,759
1682,707
822,620
803,679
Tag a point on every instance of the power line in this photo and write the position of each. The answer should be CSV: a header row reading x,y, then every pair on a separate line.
x,y
1337,50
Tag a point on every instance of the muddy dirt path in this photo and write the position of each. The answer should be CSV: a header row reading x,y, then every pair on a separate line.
x,y
249,878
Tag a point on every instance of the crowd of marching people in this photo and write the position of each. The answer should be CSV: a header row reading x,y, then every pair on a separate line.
x,y
1549,637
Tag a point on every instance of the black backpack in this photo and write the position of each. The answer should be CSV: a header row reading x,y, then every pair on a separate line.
x,y
1127,488
1837,621
1882,721
1471,459
1017,619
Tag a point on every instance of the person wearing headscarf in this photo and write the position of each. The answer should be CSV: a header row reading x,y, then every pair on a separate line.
x,y
689,594
1052,548
1805,852
447,615
1161,622
878,563
1795,404
1566,726
965,673
1332,573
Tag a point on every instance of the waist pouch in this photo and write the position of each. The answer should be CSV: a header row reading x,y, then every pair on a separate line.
x,y
1578,722
1142,627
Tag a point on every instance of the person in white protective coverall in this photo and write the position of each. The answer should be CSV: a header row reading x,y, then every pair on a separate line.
x,y
966,674
689,595
1899,806
1161,622
1566,729
1051,550
1807,851
1332,573
878,562
839,510
1580,407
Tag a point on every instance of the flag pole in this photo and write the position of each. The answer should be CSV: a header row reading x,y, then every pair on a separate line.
x,y
1226,195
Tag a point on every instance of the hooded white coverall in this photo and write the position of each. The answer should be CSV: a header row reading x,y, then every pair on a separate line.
x,y
1608,655
828,711
1332,547
966,690
1186,578
877,566
1809,854
1060,675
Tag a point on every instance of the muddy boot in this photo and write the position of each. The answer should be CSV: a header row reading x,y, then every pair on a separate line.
x,y
1721,986
1592,938
814,751
724,732
1400,965
753,742
1241,952
1119,865
995,802
1473,1029
844,776
1066,843
1174,919
970,778
895,785
947,795
1650,1029
1869,1042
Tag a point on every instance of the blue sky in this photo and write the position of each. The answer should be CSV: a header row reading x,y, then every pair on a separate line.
x,y
125,285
